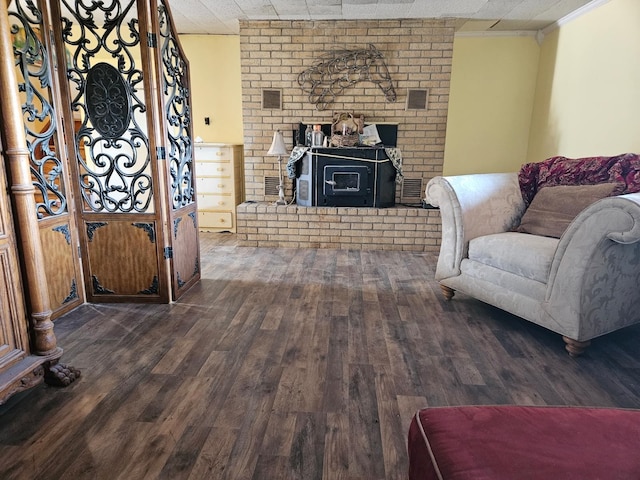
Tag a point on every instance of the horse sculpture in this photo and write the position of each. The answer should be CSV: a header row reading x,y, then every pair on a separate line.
x,y
342,69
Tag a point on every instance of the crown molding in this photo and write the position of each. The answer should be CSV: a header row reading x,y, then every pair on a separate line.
x,y
539,34
570,18
500,33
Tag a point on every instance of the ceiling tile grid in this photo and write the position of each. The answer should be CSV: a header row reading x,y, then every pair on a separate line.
x,y
221,17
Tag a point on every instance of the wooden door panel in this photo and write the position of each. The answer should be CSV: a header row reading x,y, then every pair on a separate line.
x,y
177,136
38,92
14,342
123,260
186,261
61,258
119,198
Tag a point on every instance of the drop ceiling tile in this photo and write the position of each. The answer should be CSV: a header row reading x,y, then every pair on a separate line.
x,y
221,16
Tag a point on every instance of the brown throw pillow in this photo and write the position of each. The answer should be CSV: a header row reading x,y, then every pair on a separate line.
x,y
554,208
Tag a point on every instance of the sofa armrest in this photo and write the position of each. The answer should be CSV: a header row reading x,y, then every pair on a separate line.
x,y
596,266
472,206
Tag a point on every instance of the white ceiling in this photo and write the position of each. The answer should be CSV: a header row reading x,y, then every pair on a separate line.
x,y
221,16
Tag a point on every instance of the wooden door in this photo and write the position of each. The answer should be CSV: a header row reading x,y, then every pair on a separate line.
x,y
34,68
177,152
116,169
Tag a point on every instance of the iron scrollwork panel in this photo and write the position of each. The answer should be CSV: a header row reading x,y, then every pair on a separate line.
x,y
112,144
177,102
33,71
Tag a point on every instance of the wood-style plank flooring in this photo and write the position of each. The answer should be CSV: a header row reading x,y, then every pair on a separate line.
x,y
290,364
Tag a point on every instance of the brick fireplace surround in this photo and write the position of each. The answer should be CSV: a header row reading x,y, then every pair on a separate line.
x,y
418,54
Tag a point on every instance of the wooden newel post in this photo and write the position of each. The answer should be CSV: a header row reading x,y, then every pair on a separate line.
x,y
22,193
24,214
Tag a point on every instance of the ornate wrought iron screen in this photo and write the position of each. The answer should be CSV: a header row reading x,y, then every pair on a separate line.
x,y
177,103
102,39
34,79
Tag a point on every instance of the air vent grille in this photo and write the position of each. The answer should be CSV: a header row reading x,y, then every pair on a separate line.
x,y
271,186
271,99
417,99
411,190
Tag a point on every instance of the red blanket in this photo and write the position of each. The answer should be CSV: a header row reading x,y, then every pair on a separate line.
x,y
622,169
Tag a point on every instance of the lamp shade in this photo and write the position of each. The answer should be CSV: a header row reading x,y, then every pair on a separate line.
x,y
278,147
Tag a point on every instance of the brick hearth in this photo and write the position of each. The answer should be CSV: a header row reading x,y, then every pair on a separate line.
x,y
397,228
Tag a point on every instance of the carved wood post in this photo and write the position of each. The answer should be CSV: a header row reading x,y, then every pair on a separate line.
x,y
22,194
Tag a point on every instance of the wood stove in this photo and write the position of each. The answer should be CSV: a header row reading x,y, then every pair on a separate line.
x,y
346,177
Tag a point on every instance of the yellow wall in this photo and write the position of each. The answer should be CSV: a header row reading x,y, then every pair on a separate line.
x,y
588,92
492,92
582,85
214,62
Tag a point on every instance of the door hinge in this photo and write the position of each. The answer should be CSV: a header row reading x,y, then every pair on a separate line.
x,y
160,153
168,253
152,40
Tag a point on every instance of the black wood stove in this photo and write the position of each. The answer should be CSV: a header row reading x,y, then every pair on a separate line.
x,y
346,177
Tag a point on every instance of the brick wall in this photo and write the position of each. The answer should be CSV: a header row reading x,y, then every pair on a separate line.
x,y
418,54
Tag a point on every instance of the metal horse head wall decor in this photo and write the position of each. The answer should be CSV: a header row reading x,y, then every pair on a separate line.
x,y
341,69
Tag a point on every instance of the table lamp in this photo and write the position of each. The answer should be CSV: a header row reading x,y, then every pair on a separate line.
x,y
279,148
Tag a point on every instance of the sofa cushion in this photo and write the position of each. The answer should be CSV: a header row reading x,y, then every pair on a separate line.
x,y
554,208
529,256
507,283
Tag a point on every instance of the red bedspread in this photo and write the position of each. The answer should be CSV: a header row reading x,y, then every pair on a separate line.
x,y
622,169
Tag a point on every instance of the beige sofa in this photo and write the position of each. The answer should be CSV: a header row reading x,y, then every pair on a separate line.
x,y
582,285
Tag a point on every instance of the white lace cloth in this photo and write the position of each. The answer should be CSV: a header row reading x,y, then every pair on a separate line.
x,y
394,156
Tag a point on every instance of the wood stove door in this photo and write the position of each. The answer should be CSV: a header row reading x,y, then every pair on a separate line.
x,y
348,183
348,180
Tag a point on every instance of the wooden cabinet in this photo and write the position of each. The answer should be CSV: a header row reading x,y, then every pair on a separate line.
x,y
219,185
16,367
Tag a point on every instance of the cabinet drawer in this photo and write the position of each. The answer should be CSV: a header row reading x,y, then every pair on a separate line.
x,y
215,202
214,185
215,220
213,153
216,169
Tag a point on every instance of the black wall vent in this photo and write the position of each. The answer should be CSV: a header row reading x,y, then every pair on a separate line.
x,y
271,99
417,99
411,190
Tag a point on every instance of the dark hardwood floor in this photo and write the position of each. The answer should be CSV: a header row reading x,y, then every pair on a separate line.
x,y
290,364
